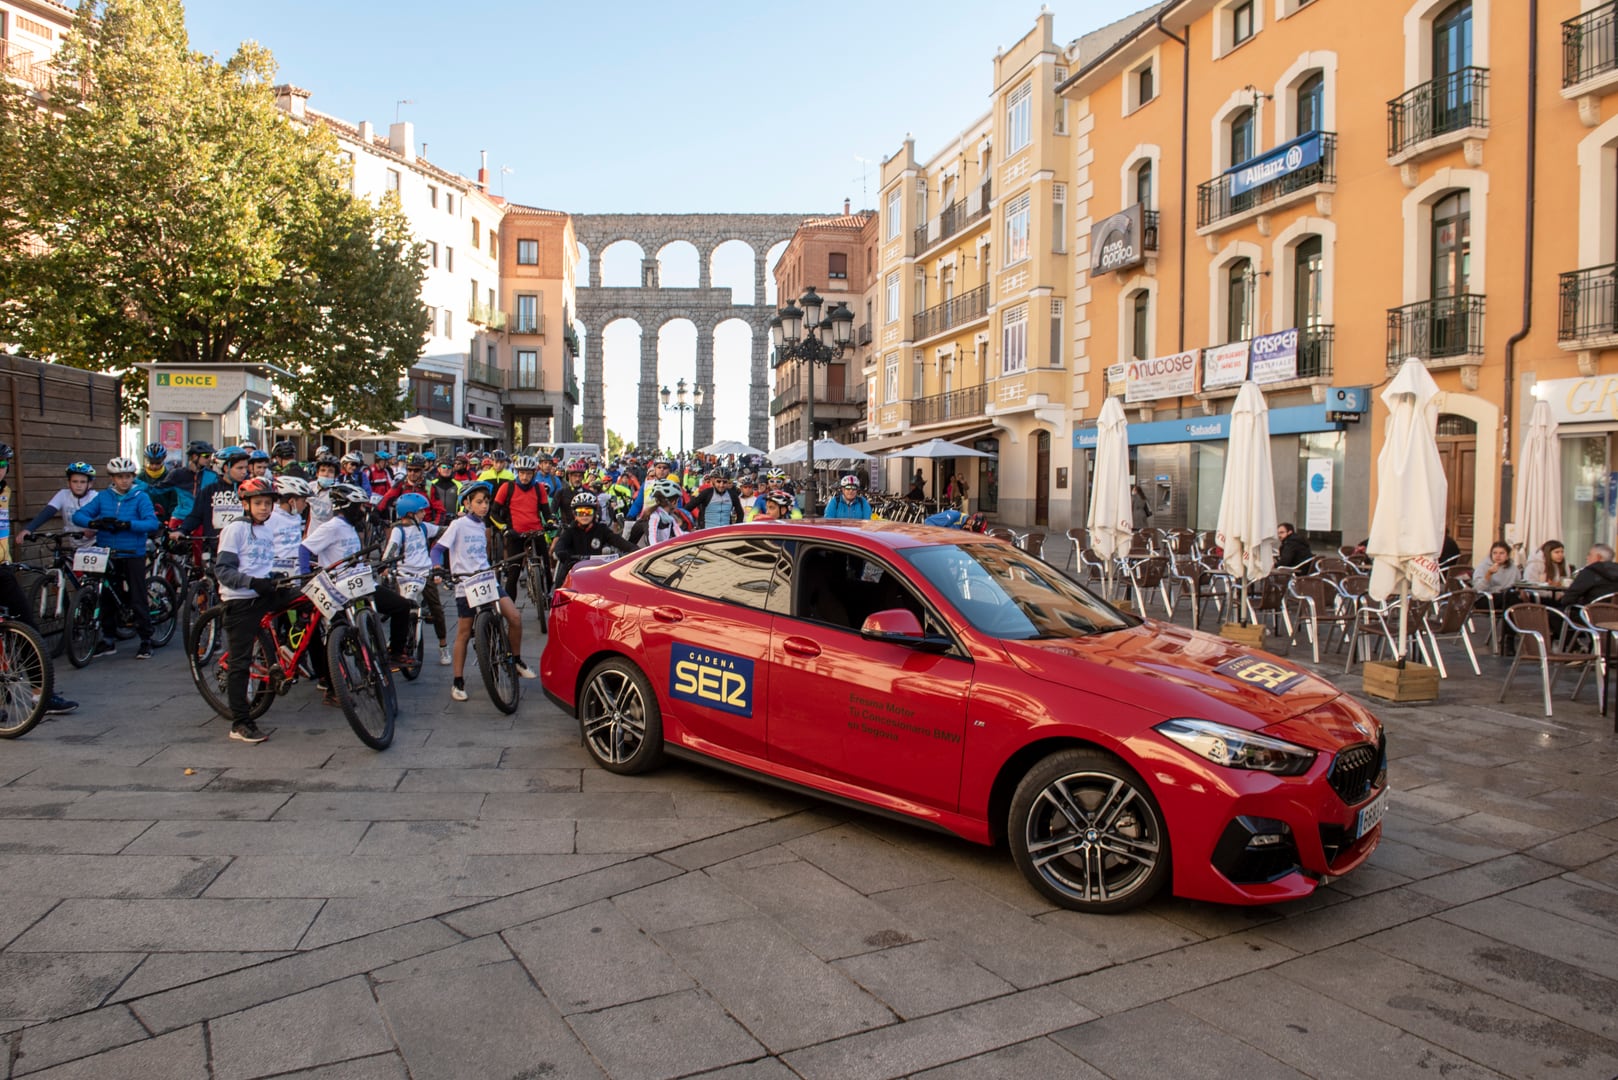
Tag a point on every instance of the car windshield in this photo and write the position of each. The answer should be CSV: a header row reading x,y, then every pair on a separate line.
x,y
1005,594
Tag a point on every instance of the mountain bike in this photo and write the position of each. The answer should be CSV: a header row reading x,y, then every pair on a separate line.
x,y
50,589
536,569
84,617
415,649
27,679
357,651
491,643
281,653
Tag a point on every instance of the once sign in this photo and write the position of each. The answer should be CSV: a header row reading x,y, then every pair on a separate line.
x,y
179,390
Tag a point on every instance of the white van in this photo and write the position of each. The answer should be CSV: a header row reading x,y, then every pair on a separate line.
x,y
567,451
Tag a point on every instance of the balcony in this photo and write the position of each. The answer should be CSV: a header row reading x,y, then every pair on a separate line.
x,y
484,315
534,323
956,311
955,405
954,217
1590,51
1438,114
862,336
486,374
1220,207
1315,351
21,64
529,378
1449,328
1148,230
1589,308
791,394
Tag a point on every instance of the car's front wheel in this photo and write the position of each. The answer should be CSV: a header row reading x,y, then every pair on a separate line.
x,y
618,713
1087,833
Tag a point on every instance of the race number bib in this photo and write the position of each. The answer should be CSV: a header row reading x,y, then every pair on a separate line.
x,y
225,513
325,595
285,564
357,581
91,560
482,589
411,590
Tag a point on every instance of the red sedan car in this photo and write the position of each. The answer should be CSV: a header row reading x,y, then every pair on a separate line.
x,y
955,681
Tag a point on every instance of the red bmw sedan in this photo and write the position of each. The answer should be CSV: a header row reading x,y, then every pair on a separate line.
x,y
956,682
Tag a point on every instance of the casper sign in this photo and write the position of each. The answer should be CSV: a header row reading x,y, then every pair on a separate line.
x,y
1275,357
1115,244
1162,377
194,390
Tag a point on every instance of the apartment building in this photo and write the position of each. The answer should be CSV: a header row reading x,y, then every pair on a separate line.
x,y
30,33
832,255
529,353
1325,210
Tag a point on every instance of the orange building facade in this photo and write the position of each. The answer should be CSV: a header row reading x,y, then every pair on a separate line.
x,y
527,352
1305,193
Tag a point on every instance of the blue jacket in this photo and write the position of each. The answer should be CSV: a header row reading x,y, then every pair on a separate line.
x,y
946,519
858,510
134,508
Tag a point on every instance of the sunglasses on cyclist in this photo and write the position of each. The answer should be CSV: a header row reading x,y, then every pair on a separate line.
x,y
583,510
5,463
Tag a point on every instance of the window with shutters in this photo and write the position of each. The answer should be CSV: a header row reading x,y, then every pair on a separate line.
x,y
1014,341
1059,218
1017,230
1019,117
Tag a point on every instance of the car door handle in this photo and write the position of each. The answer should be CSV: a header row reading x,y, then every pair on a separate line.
x,y
798,646
668,614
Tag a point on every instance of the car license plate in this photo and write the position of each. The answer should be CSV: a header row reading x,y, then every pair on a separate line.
x,y
410,590
357,582
482,589
1370,816
91,560
325,595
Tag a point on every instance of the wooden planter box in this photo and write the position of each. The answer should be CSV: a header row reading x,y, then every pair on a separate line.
x,y
1251,635
1388,681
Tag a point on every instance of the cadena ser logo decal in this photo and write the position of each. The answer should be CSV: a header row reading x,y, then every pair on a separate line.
x,y
1260,673
712,679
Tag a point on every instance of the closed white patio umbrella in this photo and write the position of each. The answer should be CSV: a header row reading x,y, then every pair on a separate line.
x,y
1111,520
1247,529
1407,527
1538,511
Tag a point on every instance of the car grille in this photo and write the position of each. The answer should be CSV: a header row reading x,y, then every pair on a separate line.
x,y
1358,770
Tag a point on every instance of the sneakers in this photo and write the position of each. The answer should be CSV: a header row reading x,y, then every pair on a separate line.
x,y
105,648
443,656
144,652
247,732
458,691
60,706
524,670
330,700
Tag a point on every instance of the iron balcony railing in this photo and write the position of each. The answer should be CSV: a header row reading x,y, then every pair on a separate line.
x,y
1590,44
1314,351
479,372
525,378
955,405
955,217
484,315
533,324
1450,326
952,313
1215,200
1589,304
1148,230
1452,102
862,336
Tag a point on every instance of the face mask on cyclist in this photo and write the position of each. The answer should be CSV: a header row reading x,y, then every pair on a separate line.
x,y
325,481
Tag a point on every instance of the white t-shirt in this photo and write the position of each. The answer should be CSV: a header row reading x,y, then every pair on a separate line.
x,y
288,530
254,546
66,503
417,561
466,542
320,509
332,542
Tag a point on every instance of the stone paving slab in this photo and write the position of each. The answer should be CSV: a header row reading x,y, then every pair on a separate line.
x,y
179,1055
379,806
21,837
593,958
165,970
44,985
249,838
290,779
630,1041
468,837
331,1023
169,926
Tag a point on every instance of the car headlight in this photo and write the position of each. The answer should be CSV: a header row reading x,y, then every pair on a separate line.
x,y
1237,749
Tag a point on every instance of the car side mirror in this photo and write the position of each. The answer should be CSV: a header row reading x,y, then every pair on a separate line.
x,y
898,626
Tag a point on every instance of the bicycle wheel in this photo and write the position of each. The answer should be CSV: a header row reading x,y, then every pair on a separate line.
x,y
50,609
162,608
210,666
495,661
26,679
546,588
411,668
357,682
200,594
377,635
83,629
536,587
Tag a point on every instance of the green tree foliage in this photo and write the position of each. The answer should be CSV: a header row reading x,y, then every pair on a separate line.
x,y
161,208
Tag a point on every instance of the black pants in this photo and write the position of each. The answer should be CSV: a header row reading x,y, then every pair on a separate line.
x,y
434,603
13,599
515,544
396,609
242,618
126,574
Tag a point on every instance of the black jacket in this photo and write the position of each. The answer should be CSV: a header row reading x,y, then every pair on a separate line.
x,y
698,507
1592,583
1294,552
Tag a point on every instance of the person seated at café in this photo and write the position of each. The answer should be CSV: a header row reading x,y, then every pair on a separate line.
x,y
1548,565
1294,553
1597,580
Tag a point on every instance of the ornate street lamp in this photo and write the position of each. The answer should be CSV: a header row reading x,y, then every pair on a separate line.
x,y
801,334
682,406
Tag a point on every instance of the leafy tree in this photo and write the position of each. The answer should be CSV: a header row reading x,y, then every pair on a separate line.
x,y
161,208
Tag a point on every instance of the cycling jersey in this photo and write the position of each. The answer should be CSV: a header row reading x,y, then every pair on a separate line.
x,y
656,526
246,551
216,506
187,484
524,508
328,545
417,561
287,528
464,547
575,543
5,522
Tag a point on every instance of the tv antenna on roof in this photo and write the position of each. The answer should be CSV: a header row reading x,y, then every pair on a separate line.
x,y
401,103
505,170
865,172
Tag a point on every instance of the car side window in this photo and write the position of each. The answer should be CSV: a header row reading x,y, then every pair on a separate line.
x,y
666,568
739,571
842,588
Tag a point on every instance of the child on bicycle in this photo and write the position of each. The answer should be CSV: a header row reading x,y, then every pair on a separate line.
x,y
249,587
338,539
464,550
123,518
411,535
585,537
65,503
287,522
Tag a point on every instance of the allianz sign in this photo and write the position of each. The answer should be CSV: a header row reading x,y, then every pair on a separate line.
x,y
1284,160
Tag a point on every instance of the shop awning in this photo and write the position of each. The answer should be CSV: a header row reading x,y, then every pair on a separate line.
x,y
486,421
896,445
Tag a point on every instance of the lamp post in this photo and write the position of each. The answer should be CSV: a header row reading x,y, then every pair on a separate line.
x,y
797,335
682,406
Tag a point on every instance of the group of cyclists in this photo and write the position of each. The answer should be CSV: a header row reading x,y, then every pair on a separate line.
x,y
271,520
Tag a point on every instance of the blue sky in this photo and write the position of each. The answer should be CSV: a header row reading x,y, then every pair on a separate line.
x,y
652,107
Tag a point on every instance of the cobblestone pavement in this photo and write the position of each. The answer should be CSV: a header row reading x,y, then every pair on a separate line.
x,y
478,901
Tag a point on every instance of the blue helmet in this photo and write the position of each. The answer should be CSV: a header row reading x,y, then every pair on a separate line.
x,y
258,455
480,485
411,503
231,454
156,451
81,468
383,455
430,456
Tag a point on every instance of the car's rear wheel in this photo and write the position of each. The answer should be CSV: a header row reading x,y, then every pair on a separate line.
x,y
618,713
1086,832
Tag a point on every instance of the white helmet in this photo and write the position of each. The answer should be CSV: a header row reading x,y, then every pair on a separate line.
x,y
122,465
293,485
665,489
525,462
850,481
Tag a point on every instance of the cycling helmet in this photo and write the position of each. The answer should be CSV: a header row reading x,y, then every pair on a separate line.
x,y
720,474
531,464
775,476
258,485
779,497
584,501
293,486
81,468
415,461
473,488
665,489
258,455
430,455
500,455
327,459
284,449
575,466
231,454
5,452
411,503
249,446
346,495
850,481
199,446
976,523
381,455
747,478
120,465
353,458
323,451
156,451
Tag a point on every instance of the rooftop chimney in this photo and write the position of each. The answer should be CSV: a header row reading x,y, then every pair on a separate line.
x,y
291,100
483,173
847,207
402,139
367,133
